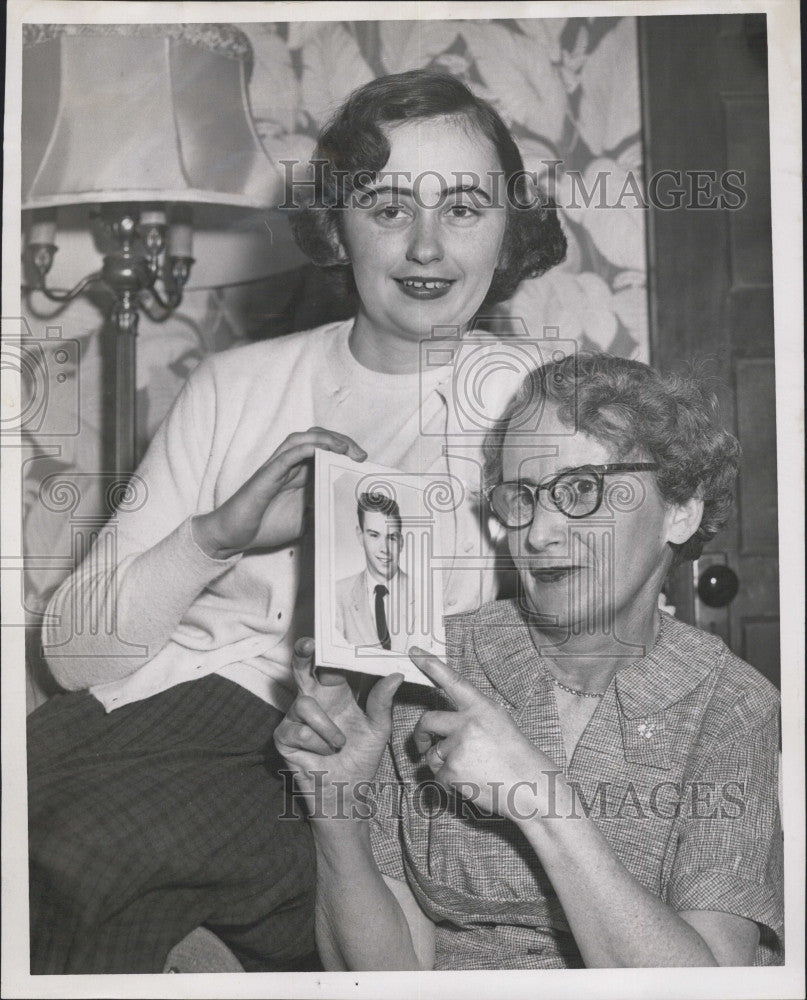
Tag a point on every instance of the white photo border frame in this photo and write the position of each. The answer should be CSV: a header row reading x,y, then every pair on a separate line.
x,y
329,467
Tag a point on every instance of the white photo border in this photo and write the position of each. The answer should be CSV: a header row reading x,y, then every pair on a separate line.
x,y
329,467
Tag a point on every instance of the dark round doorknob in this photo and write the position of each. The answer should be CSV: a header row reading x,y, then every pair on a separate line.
x,y
717,586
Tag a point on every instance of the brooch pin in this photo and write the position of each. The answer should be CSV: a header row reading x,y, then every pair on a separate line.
x,y
646,729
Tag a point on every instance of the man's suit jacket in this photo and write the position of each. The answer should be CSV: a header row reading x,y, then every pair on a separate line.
x,y
356,621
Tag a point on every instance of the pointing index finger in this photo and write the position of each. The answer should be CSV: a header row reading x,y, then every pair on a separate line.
x,y
459,690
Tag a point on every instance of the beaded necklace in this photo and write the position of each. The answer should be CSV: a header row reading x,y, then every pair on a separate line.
x,y
574,691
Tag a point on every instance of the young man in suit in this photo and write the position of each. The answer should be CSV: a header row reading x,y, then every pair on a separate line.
x,y
376,607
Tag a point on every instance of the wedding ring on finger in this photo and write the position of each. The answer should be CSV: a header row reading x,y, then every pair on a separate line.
x,y
434,749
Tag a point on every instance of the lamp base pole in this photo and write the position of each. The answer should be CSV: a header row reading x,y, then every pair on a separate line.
x,y
127,274
119,372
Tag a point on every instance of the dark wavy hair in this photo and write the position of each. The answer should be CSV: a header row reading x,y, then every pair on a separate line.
x,y
353,142
667,419
378,503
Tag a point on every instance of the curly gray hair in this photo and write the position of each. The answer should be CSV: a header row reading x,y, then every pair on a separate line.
x,y
669,419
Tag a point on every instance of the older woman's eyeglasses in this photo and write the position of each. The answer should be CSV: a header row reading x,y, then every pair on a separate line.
x,y
576,493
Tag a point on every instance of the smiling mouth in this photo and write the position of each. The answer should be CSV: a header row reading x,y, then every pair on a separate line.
x,y
554,574
424,288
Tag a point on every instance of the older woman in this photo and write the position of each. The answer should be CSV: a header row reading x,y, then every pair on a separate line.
x,y
592,782
153,807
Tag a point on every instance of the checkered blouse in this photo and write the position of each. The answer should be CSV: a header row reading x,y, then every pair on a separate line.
x,y
677,767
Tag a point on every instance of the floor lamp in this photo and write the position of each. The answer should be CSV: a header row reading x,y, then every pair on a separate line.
x,y
142,173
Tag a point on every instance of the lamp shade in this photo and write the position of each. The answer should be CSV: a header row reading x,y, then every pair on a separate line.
x,y
127,115
150,113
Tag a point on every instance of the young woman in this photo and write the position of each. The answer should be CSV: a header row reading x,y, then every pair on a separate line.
x,y
153,805
592,783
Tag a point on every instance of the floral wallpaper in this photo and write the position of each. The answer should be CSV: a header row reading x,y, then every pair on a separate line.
x,y
569,91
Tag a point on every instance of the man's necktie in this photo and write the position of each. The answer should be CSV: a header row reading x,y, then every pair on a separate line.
x,y
381,617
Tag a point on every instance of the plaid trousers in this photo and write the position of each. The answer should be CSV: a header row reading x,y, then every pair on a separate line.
x,y
158,817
